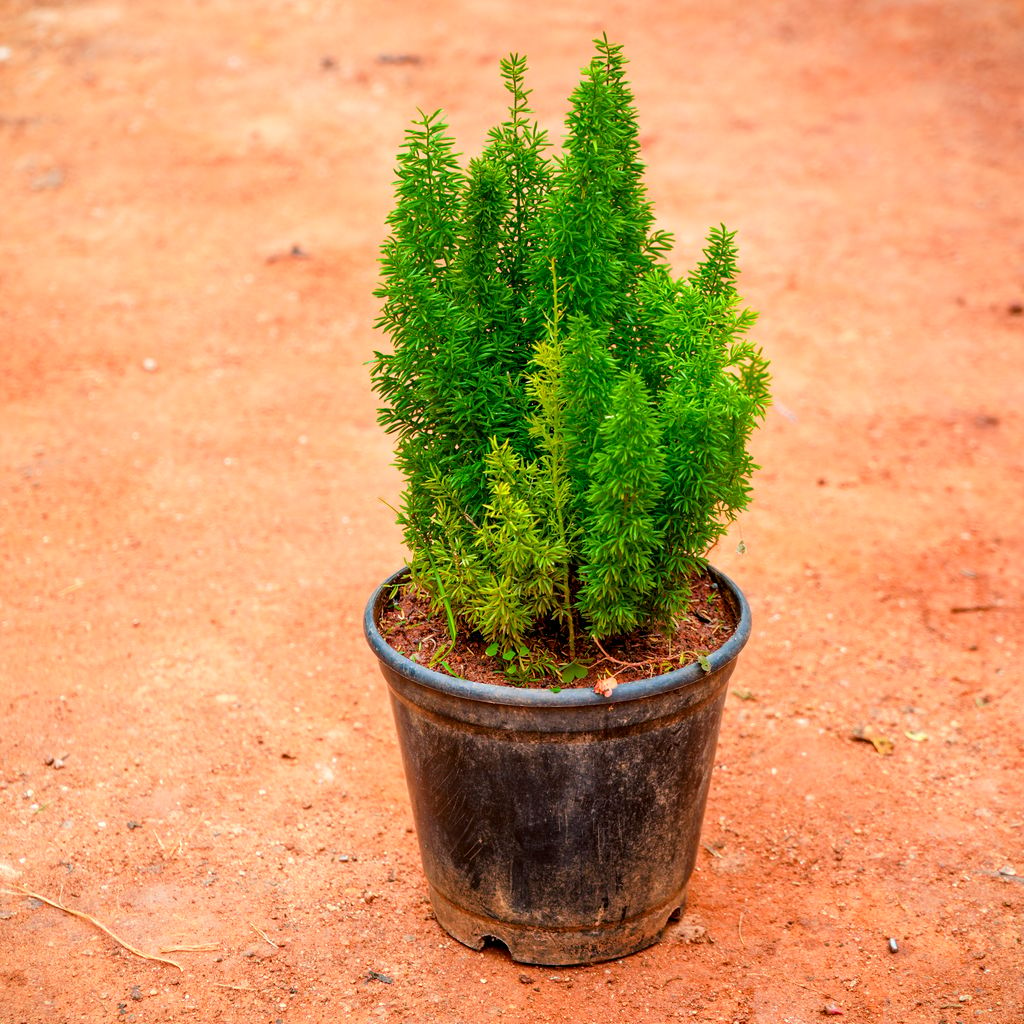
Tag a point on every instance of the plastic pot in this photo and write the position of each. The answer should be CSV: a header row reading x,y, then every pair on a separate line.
x,y
565,826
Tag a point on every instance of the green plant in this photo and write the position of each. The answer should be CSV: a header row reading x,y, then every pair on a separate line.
x,y
571,419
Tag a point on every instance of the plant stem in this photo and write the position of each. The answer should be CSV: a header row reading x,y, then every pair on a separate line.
x,y
557,462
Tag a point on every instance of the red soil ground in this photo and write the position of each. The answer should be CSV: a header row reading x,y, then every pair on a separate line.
x,y
195,744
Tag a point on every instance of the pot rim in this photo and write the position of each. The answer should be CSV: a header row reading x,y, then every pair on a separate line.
x,y
637,689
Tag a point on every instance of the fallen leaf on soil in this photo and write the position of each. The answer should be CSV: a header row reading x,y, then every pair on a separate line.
x,y
882,744
1007,874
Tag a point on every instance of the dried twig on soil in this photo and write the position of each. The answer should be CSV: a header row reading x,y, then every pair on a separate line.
x,y
176,852
263,935
652,665
205,947
615,661
20,890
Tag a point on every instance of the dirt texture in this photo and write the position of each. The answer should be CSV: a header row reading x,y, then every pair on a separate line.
x,y
195,743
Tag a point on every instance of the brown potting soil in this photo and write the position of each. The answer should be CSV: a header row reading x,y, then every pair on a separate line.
x,y
414,627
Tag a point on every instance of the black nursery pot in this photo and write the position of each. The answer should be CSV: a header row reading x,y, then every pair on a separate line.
x,y
564,825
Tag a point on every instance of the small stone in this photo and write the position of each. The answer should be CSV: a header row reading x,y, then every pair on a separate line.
x,y
690,931
150,365
50,180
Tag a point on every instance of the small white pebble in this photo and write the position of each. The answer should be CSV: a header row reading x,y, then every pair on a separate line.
x,y
150,365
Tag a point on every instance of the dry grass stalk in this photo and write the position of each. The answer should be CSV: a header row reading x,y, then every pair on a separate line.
x,y
20,890
176,852
263,935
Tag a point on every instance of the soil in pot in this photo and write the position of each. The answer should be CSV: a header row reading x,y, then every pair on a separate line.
x,y
414,629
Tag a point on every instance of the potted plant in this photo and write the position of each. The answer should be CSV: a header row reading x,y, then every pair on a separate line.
x,y
572,423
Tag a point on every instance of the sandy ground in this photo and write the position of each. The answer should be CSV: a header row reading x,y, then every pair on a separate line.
x,y
195,744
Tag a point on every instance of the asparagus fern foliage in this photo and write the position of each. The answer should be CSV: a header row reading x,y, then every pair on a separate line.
x,y
571,419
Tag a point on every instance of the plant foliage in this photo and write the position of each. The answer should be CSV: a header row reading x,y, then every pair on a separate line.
x,y
572,420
